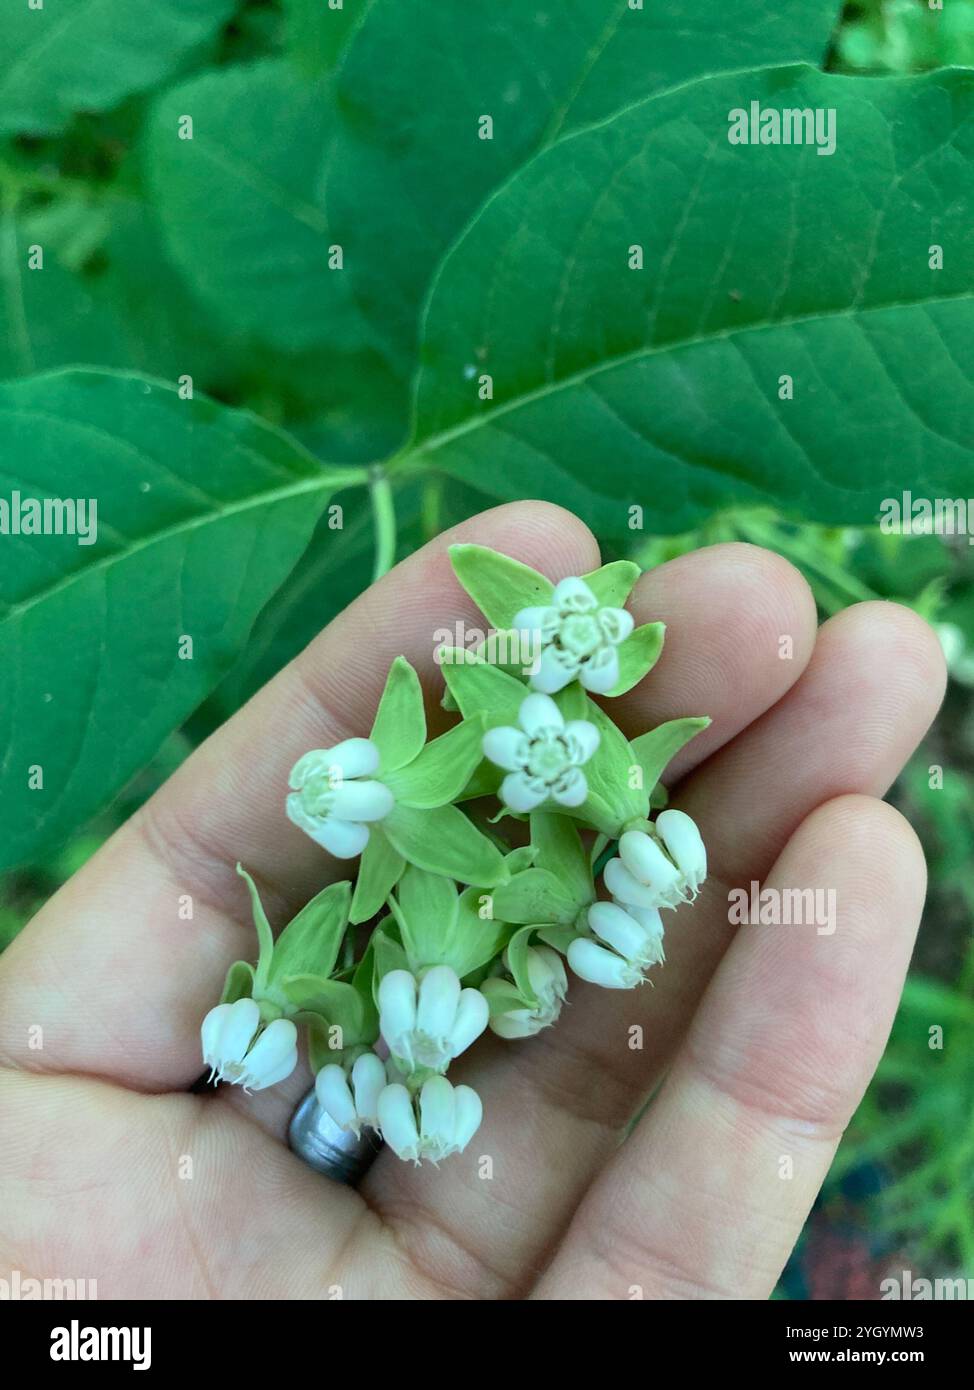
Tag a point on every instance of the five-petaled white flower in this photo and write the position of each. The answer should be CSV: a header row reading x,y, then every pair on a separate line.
x,y
235,1051
353,1105
449,1117
546,976
630,940
544,757
333,796
429,1023
578,639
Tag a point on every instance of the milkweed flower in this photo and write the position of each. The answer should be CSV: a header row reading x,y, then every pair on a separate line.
x,y
547,978
428,1023
543,758
650,874
448,1118
238,1050
630,940
578,639
334,796
352,1102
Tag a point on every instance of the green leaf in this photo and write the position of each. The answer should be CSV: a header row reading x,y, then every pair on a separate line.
x,y
402,178
310,943
426,907
443,768
316,32
759,262
611,801
240,206
239,984
558,848
638,654
265,936
88,55
399,730
655,749
613,583
499,585
535,895
445,842
481,688
378,872
339,1003
201,513
388,954
506,997
478,938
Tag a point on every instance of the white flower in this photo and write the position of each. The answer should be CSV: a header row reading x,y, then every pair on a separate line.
x,y
449,1117
355,1105
332,797
630,941
428,1024
544,757
578,639
547,978
235,1051
652,875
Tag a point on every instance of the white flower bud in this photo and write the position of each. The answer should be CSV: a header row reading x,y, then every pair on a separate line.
x,y
547,978
430,1025
449,1117
236,1049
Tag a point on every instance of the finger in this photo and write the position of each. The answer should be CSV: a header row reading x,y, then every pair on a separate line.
x,y
708,1196
114,970
552,1109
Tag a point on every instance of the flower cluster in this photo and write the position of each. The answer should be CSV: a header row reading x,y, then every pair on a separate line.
x,y
465,935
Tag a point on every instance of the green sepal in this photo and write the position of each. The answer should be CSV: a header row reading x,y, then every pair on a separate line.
x,y
444,841
379,870
655,749
239,983
558,938
498,585
442,769
613,583
638,654
310,943
399,731
517,962
523,857
505,999
265,937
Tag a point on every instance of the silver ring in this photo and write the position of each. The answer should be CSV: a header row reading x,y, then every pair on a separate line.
x,y
338,1153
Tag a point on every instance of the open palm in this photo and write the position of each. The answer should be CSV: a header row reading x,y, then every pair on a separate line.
x,y
766,1035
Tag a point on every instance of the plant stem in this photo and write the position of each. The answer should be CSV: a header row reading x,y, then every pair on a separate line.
x,y
384,519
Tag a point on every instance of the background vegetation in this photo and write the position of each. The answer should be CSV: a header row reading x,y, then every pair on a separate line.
x,y
218,273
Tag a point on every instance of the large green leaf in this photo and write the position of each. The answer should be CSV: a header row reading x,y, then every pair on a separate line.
x,y
88,55
239,204
660,387
201,512
407,166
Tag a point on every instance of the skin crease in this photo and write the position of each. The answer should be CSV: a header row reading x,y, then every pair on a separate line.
x,y
766,1037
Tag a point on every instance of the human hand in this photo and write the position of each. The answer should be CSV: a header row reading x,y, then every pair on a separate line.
x,y
767,1035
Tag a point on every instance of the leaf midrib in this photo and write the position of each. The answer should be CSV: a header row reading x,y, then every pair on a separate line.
x,y
417,448
330,482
